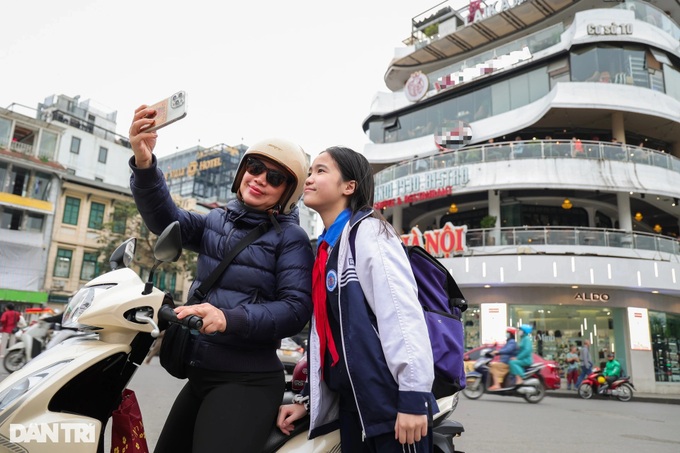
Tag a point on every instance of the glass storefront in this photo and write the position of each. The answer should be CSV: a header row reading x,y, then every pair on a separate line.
x,y
557,327
665,332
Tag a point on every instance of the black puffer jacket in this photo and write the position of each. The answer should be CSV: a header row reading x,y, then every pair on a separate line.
x,y
265,293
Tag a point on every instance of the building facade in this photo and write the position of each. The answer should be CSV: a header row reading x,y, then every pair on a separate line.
x,y
62,173
90,148
534,147
29,194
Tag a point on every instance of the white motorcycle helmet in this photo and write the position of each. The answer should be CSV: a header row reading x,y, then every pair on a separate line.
x,y
288,155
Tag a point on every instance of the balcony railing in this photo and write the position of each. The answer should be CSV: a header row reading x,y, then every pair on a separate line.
x,y
532,149
21,148
570,236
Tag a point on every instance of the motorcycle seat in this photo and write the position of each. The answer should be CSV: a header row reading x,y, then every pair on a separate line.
x,y
276,438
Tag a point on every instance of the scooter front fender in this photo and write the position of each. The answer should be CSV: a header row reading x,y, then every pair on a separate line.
x,y
18,345
28,420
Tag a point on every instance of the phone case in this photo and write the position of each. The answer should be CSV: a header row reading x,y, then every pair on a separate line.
x,y
169,110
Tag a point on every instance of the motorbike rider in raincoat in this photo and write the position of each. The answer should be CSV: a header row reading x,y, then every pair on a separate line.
x,y
524,356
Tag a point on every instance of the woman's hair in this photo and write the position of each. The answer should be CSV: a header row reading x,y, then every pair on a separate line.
x,y
355,167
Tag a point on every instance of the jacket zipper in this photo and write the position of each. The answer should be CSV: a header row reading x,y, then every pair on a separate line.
x,y
344,351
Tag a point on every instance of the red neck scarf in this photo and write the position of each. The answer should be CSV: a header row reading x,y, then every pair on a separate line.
x,y
323,327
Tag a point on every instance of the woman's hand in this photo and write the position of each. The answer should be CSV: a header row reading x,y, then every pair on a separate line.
x,y
213,318
288,413
410,428
142,142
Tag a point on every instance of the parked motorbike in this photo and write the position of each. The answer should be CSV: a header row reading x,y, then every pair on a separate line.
x,y
62,399
33,340
592,385
444,429
479,380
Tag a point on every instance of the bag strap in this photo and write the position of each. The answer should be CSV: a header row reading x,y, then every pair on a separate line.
x,y
456,298
200,292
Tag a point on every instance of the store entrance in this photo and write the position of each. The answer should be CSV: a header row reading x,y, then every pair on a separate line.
x,y
557,327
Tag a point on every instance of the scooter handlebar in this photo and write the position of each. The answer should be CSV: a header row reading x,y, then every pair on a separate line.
x,y
166,313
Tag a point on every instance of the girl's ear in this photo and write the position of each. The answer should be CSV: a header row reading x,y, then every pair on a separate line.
x,y
350,187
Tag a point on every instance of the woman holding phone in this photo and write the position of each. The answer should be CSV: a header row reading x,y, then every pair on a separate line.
x,y
235,379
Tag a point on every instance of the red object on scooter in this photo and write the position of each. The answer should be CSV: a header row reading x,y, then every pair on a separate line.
x,y
127,428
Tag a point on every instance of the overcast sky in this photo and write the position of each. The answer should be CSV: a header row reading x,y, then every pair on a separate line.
x,y
302,70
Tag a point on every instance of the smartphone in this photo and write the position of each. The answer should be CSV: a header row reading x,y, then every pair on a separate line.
x,y
169,110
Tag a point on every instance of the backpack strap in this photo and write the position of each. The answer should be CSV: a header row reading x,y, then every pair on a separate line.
x,y
456,298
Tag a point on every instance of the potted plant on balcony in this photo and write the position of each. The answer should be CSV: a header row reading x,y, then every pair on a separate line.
x,y
488,222
431,30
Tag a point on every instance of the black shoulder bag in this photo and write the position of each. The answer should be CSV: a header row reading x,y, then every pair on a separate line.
x,y
176,337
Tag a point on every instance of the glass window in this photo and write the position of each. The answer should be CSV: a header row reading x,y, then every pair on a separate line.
x,y
3,174
665,331
71,211
96,216
41,184
119,222
5,126
90,268
672,78
539,83
35,222
607,64
75,145
18,181
103,152
62,265
519,92
557,327
48,145
11,219
500,97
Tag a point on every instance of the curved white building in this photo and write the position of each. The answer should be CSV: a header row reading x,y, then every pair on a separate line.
x,y
562,210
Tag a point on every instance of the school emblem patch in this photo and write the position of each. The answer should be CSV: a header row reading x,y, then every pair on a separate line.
x,y
331,280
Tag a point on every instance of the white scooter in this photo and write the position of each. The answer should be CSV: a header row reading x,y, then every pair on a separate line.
x,y
62,399
33,340
444,429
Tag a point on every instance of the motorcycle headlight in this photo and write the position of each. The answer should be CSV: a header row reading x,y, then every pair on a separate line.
x,y
28,384
79,303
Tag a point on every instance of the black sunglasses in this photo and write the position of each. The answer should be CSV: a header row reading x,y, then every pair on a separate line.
x,y
274,177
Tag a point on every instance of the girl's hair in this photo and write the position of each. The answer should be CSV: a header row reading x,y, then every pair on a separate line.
x,y
355,167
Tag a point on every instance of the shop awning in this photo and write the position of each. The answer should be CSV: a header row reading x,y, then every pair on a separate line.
x,y
28,297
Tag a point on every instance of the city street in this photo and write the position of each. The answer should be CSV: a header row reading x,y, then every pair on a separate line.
x,y
565,425
494,424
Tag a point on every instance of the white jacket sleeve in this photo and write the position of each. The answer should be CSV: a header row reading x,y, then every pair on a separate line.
x,y
385,275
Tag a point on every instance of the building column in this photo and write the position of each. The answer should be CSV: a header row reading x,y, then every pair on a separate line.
x,y
623,207
495,210
618,128
398,219
591,217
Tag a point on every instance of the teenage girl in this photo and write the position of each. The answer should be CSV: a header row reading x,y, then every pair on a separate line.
x,y
370,359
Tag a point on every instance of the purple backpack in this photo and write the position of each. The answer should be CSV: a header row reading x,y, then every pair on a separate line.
x,y
443,304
